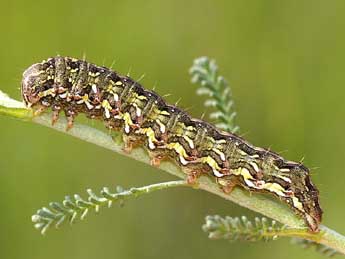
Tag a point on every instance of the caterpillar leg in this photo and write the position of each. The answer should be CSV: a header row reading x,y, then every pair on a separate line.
x,y
194,171
193,176
155,159
55,116
70,115
130,142
227,184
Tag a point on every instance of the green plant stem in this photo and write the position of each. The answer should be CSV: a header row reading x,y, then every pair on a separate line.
x,y
256,202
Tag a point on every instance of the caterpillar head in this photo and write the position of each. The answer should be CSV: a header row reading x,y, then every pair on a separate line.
x,y
31,84
306,197
292,185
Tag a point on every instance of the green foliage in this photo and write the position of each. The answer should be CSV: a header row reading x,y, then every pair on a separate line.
x,y
242,229
73,208
205,72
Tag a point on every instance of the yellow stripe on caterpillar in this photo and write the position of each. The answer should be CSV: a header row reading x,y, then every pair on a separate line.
x,y
190,142
107,107
179,150
213,164
297,204
128,121
220,153
275,188
151,136
162,127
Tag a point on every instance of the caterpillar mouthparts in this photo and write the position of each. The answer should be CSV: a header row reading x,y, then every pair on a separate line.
x,y
75,86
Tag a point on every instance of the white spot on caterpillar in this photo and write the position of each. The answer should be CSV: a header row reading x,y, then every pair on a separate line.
x,y
190,142
276,188
286,179
250,183
85,99
190,128
255,166
137,110
161,126
213,164
217,173
94,88
151,145
183,161
118,83
63,96
150,135
88,105
220,153
138,113
127,128
128,121
297,204
241,151
107,113
179,150
107,107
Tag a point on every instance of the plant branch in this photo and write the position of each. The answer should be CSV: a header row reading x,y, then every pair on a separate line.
x,y
256,202
72,208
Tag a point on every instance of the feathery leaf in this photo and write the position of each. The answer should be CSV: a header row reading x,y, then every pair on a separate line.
x,y
75,208
205,72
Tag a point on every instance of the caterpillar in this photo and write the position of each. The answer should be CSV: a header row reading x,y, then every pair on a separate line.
x,y
74,86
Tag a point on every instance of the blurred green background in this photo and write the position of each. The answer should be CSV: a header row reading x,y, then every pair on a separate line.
x,y
284,59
